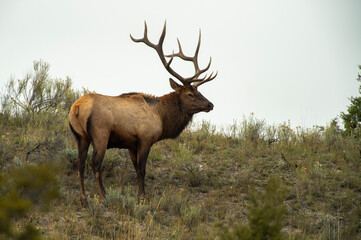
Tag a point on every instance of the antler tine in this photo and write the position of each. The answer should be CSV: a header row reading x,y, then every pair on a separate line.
x,y
210,78
162,36
198,46
180,49
170,60
145,37
180,53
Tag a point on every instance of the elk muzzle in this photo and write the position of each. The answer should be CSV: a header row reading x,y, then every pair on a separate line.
x,y
210,107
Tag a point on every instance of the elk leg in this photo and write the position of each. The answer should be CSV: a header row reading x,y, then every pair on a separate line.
x,y
82,155
142,156
97,158
133,156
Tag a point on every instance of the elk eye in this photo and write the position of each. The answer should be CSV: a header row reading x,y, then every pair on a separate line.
x,y
190,95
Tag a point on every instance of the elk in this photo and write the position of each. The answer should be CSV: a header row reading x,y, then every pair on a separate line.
x,y
135,121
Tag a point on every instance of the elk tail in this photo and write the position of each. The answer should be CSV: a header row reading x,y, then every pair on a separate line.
x,y
74,124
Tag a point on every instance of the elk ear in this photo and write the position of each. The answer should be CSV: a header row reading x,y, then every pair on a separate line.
x,y
175,86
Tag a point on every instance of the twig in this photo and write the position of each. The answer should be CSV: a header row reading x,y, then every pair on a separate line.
x,y
31,151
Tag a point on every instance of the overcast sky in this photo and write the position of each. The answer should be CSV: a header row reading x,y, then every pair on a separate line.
x,y
280,59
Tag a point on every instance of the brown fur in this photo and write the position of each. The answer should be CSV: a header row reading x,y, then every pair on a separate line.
x,y
134,121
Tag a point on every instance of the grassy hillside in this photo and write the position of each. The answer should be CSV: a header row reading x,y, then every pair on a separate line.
x,y
206,184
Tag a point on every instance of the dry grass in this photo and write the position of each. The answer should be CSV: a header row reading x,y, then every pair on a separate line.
x,y
197,182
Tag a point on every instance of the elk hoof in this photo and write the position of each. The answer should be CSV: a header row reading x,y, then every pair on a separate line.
x,y
84,202
143,199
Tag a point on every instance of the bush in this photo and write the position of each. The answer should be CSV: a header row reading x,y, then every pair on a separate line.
x,y
352,119
332,135
266,213
20,190
37,92
252,129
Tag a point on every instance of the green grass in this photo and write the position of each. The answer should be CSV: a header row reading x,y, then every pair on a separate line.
x,y
206,184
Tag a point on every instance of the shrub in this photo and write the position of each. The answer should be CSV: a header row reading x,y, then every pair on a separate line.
x,y
285,133
37,92
352,119
266,213
20,190
332,135
252,129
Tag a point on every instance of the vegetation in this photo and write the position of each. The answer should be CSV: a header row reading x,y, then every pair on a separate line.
x,y
248,181
266,213
21,189
352,119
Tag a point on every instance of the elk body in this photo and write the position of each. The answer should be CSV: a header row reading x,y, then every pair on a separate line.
x,y
135,121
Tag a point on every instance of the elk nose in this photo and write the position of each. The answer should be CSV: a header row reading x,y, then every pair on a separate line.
x,y
210,105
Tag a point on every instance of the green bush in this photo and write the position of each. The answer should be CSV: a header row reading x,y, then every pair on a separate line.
x,y
20,191
266,213
352,119
332,135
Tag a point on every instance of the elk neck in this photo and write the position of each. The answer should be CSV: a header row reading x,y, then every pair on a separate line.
x,y
174,117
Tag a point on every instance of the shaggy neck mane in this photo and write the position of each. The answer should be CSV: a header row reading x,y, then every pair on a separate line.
x,y
174,118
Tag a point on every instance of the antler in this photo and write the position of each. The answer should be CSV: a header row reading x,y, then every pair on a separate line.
x,y
195,78
159,49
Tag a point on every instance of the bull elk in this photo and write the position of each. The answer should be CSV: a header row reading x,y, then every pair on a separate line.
x,y
135,121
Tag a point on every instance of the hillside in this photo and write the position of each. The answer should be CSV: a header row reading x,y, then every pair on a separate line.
x,y
202,185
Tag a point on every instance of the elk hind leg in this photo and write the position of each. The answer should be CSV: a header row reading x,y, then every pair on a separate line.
x,y
82,155
97,158
82,143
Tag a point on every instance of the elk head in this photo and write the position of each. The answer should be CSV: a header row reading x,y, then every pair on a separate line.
x,y
190,98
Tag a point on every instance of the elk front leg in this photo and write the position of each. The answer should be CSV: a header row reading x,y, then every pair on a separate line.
x,y
142,156
139,159
133,155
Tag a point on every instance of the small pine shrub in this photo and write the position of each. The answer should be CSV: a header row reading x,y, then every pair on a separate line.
x,y
20,191
266,213
332,135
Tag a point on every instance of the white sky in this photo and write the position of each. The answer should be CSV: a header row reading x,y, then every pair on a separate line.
x,y
283,60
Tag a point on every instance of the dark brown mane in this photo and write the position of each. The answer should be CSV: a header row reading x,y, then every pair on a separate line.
x,y
174,116
149,99
129,94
